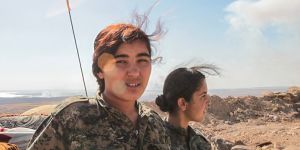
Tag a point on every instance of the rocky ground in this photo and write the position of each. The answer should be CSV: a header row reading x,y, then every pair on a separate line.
x,y
249,135
273,120
269,122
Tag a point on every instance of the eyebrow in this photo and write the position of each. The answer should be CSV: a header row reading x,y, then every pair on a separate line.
x,y
121,56
143,55
203,93
138,55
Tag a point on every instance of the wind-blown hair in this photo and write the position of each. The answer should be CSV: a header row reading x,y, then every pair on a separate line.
x,y
111,37
182,83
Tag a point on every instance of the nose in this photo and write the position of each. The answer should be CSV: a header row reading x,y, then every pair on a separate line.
x,y
133,71
208,100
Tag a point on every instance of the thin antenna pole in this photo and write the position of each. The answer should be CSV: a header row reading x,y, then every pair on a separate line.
x,y
69,11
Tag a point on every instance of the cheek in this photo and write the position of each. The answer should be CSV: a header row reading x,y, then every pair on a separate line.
x,y
201,108
113,73
204,106
112,79
194,109
199,112
194,112
108,65
118,87
146,72
150,69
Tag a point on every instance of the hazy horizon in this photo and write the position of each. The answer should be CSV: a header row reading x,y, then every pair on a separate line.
x,y
148,94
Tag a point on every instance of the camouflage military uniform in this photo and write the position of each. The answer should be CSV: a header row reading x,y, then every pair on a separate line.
x,y
192,139
91,124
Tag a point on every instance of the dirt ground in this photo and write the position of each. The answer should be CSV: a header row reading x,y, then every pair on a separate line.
x,y
280,135
269,122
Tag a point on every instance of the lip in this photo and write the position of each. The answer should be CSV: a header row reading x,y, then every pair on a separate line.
x,y
133,85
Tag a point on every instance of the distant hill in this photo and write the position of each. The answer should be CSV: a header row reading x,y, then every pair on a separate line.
x,y
30,100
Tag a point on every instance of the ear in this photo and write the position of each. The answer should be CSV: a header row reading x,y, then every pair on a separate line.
x,y
100,75
182,104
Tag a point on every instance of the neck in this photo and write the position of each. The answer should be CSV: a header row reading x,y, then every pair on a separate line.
x,y
178,120
126,107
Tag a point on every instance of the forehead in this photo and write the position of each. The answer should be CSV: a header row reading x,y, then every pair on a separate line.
x,y
202,88
133,48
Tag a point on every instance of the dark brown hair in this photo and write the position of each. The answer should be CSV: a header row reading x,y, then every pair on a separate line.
x,y
182,83
111,37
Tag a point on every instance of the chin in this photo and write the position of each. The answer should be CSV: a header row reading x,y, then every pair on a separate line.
x,y
199,119
133,97
134,94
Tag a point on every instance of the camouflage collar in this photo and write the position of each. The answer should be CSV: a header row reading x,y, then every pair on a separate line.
x,y
181,131
143,111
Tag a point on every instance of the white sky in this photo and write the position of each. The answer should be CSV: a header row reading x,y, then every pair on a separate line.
x,y
255,42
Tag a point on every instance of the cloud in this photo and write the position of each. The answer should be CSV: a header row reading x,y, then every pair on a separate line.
x,y
263,13
266,33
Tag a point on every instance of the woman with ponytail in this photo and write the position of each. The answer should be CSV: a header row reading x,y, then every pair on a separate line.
x,y
185,98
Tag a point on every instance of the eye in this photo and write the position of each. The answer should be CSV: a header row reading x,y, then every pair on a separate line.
x,y
143,61
121,62
203,96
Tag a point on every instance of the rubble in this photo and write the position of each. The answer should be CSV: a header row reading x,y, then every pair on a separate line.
x,y
231,123
271,107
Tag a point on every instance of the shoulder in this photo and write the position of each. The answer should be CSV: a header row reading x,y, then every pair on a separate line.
x,y
77,108
154,132
199,134
153,116
72,114
74,102
154,122
199,139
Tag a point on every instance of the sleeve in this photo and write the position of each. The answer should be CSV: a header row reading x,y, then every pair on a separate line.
x,y
55,131
51,135
159,138
199,141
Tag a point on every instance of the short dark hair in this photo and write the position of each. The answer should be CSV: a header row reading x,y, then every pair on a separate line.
x,y
111,37
181,83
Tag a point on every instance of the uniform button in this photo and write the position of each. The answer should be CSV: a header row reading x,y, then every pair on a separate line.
x,y
136,132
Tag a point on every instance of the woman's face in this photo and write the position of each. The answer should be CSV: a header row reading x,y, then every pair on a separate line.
x,y
126,74
196,108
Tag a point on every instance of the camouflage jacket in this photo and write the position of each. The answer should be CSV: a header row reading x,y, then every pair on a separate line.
x,y
91,124
190,139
